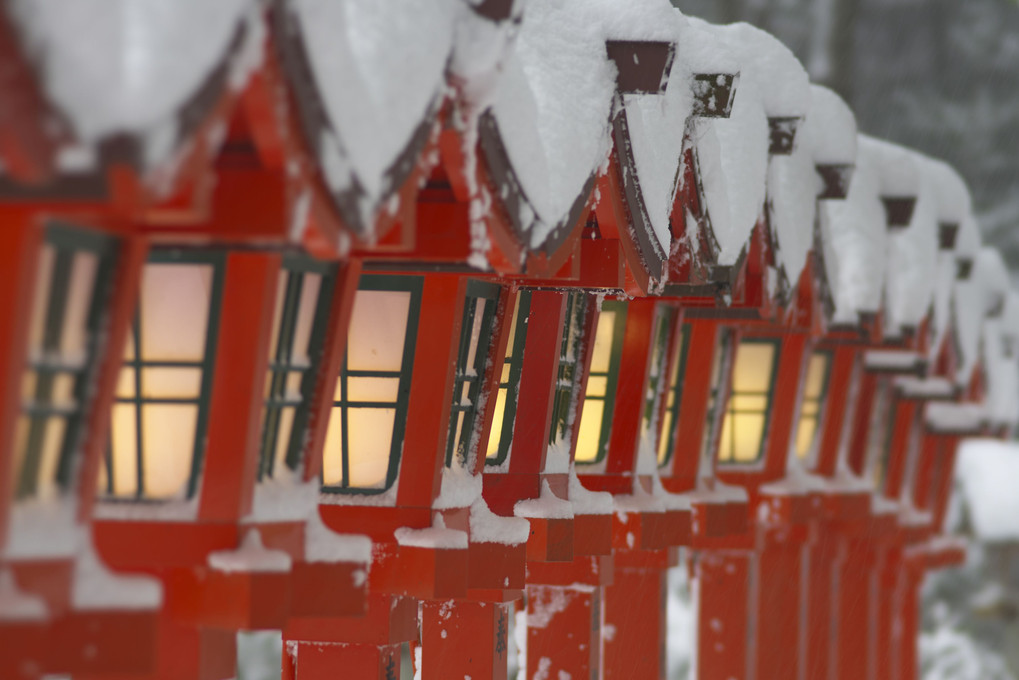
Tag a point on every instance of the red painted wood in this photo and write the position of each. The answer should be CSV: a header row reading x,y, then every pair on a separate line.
x,y
237,401
628,405
464,639
20,245
537,382
837,409
431,388
131,256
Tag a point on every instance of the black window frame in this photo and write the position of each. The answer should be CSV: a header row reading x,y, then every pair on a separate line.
x,y
296,268
511,385
718,386
769,396
392,283
665,321
464,448
217,259
66,241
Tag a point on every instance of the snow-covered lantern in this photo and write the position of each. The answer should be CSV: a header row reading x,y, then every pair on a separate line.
x,y
899,183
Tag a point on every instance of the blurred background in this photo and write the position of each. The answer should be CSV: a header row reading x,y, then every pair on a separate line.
x,y
940,76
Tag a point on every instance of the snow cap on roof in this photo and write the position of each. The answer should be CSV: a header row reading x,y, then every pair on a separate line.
x,y
953,197
854,237
554,101
898,174
732,156
777,75
830,128
968,241
974,299
380,71
793,187
116,67
913,250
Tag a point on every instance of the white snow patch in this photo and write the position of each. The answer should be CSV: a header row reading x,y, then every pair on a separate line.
x,y
250,557
986,470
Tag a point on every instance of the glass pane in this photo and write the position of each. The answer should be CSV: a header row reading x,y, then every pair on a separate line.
x,y
370,442
124,450
293,386
53,441
741,437
277,312
125,383
373,389
810,408
513,325
458,430
495,435
602,352
748,402
332,455
472,345
817,370
20,449
589,435
168,442
805,435
28,382
752,371
79,297
307,306
174,310
283,430
171,383
62,390
663,440
505,373
378,328
597,386
43,277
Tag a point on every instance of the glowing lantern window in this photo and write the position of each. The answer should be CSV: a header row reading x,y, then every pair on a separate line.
x,y
303,296
814,389
593,436
366,426
749,405
673,396
567,386
159,418
72,286
657,381
501,434
475,340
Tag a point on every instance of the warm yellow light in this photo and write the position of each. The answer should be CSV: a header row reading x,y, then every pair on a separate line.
x,y
813,391
173,321
743,428
495,434
602,352
375,342
589,435
378,328
168,440
593,413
